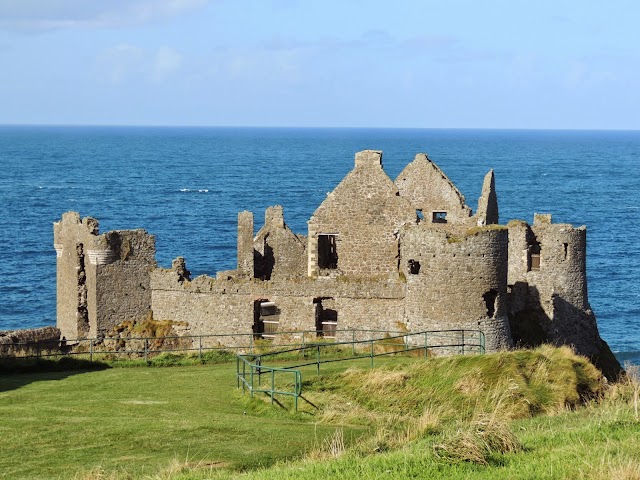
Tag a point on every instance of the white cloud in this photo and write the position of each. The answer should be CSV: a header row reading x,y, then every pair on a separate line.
x,y
580,75
121,62
166,61
41,15
125,62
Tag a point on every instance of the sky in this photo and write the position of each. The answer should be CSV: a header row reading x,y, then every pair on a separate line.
x,y
561,64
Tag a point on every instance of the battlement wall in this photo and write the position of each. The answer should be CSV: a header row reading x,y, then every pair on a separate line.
x,y
224,306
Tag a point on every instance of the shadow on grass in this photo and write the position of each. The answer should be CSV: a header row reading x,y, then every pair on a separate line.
x,y
18,372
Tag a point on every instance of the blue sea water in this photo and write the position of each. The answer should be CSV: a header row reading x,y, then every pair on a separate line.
x,y
186,185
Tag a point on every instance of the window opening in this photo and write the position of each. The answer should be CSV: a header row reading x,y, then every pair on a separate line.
x,y
439,217
263,262
326,318
414,267
327,252
566,250
534,256
266,319
419,214
490,302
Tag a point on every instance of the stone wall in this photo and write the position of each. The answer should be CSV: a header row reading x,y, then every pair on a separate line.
x,y
73,237
29,341
556,280
216,306
123,289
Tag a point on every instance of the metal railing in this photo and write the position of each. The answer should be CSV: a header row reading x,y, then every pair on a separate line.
x,y
247,380
147,347
251,367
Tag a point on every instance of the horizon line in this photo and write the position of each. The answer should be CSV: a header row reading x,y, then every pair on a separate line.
x,y
114,125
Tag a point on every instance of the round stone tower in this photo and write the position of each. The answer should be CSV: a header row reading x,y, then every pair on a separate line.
x,y
457,281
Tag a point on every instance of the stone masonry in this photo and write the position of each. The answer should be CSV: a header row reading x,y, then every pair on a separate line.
x,y
405,255
102,280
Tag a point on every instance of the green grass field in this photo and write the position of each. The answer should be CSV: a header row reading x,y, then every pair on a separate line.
x,y
524,414
140,420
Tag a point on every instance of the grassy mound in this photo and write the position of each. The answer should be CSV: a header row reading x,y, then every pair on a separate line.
x,y
514,384
543,413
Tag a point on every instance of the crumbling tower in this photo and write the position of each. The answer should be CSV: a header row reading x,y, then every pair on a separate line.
x,y
102,280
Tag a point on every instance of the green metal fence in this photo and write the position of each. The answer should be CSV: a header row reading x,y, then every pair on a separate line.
x,y
251,367
148,347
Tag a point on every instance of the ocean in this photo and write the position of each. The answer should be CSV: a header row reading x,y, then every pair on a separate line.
x,y
186,186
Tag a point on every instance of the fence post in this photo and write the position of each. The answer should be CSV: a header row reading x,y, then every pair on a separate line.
x,y
251,386
91,350
426,351
303,343
244,374
273,384
353,343
200,347
462,342
371,353
146,349
318,359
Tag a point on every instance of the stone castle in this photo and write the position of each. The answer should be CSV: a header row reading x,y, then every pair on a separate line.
x,y
404,255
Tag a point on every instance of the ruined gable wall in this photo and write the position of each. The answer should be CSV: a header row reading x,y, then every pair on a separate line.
x,y
364,211
428,189
461,282
277,244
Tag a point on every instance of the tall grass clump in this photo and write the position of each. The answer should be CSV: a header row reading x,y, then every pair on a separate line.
x,y
478,442
515,384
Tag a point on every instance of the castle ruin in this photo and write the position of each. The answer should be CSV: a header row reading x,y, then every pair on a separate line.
x,y
405,255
